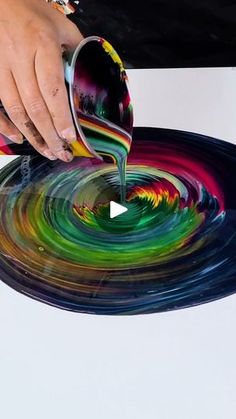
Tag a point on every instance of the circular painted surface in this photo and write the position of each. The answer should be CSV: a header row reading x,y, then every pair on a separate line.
x,y
175,247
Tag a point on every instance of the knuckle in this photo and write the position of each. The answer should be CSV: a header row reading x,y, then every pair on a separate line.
x,y
7,41
16,112
36,108
45,36
10,45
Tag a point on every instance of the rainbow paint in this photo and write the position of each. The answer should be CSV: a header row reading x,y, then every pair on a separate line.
x,y
174,247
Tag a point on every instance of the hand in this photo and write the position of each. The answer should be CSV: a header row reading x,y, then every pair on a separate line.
x,y
32,87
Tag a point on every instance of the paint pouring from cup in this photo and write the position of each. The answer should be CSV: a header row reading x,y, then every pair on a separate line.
x,y
99,99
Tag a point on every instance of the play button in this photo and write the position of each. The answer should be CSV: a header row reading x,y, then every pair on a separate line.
x,y
112,215
116,209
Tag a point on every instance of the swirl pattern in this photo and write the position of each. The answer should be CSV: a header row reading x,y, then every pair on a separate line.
x,y
173,248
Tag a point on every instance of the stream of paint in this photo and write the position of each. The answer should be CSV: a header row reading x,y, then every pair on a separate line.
x,y
109,140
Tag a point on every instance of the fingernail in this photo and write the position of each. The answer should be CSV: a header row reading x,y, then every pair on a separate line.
x,y
65,156
69,134
16,138
49,155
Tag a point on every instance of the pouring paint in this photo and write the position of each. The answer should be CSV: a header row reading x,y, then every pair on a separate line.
x,y
100,104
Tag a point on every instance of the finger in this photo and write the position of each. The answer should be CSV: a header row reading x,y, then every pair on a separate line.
x,y
37,110
8,129
50,75
15,110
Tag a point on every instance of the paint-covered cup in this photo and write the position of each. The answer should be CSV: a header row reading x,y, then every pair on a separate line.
x,y
99,99
99,96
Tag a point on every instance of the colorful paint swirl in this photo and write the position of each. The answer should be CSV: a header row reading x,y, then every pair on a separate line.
x,y
175,247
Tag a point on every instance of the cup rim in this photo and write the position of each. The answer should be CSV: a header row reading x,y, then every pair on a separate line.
x,y
72,74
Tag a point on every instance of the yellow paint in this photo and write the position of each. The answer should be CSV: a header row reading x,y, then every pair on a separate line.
x,y
80,150
113,54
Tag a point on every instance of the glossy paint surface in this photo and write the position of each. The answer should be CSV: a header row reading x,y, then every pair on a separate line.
x,y
173,248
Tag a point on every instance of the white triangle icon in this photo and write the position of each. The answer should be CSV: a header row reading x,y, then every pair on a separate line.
x,y
116,209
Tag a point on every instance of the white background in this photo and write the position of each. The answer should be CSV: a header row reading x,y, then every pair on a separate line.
x,y
181,365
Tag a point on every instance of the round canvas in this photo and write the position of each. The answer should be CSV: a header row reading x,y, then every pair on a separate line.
x,y
175,247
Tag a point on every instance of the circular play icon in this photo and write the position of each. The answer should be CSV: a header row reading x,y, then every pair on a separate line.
x,y
111,214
